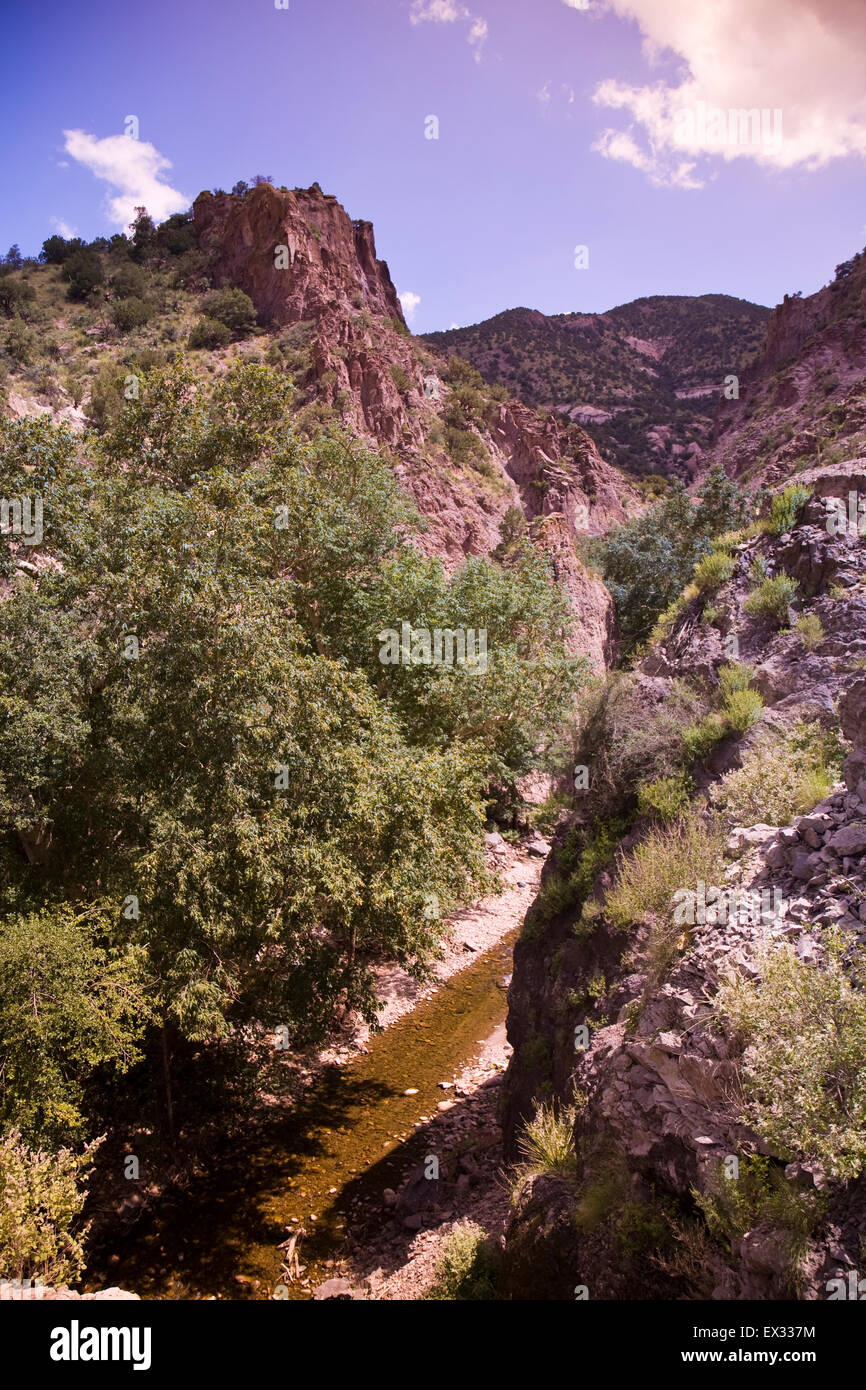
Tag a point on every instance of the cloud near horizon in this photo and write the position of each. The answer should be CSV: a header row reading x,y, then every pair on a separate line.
x,y
804,61
134,168
450,12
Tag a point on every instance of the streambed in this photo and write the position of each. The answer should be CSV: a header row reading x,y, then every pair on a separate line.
x,y
325,1165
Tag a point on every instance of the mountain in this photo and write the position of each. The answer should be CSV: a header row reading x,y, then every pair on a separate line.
x,y
802,402
643,379
324,311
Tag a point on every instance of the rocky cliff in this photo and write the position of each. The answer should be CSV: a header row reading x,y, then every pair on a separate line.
x,y
465,455
803,399
680,1187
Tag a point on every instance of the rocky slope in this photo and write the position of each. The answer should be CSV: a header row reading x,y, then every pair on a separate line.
x,y
330,319
465,457
643,378
646,1212
804,398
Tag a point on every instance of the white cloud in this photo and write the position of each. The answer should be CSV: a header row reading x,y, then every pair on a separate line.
x,y
799,68
134,168
410,303
577,4
449,12
63,227
440,11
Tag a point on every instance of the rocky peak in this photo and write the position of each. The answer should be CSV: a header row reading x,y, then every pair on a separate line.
x,y
296,253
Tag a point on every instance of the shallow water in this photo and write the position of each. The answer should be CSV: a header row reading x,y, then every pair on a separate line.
x,y
353,1131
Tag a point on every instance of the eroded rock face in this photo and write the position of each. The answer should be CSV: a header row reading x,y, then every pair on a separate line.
x,y
328,258
302,261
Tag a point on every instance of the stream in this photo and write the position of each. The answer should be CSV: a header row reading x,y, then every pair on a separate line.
x,y
325,1164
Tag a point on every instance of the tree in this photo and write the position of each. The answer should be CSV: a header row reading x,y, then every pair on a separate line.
x,y
56,249
12,258
69,1002
84,271
143,231
648,560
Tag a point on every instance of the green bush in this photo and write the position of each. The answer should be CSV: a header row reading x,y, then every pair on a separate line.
x,y
670,857
737,675
209,333
467,1267
742,709
759,1195
647,561
772,599
802,1071
782,777
400,378
232,308
41,1198
546,1144
667,798
85,273
713,571
810,631
700,738
130,313
786,507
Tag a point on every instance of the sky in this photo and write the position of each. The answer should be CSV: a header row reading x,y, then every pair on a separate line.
x,y
566,155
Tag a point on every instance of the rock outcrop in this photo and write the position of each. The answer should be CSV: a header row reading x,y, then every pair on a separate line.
x,y
802,402
311,271
657,1073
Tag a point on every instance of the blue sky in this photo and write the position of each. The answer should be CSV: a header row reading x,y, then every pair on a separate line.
x,y
555,130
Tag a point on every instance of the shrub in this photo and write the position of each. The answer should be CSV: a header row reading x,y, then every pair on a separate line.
x,y
782,777
667,798
737,675
760,1194
802,1070
700,738
713,571
786,507
647,561
670,857
40,1205
810,630
400,377
772,599
209,333
130,313
83,269
16,297
21,343
130,282
547,1142
742,709
467,1267
232,308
